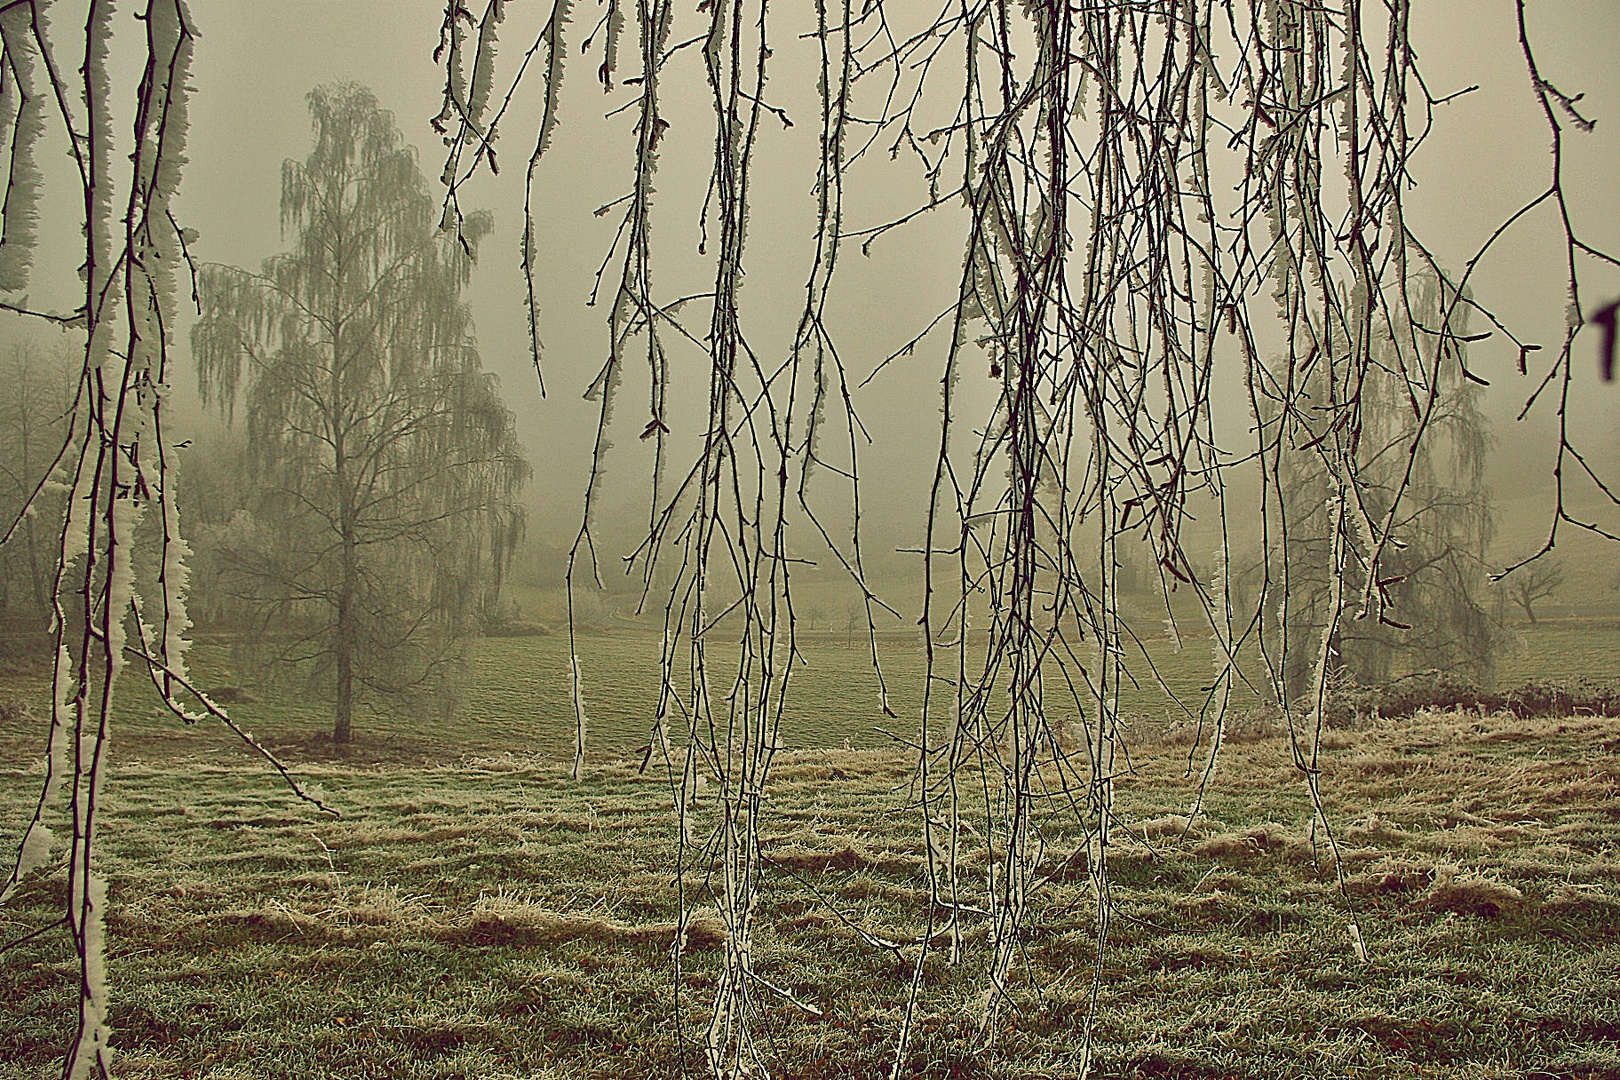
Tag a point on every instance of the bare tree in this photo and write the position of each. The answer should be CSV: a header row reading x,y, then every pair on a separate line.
x,y
1537,581
385,468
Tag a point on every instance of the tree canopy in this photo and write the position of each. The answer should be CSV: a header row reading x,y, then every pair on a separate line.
x,y
1430,584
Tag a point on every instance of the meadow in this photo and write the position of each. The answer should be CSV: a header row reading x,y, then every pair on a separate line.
x,y
475,913
518,699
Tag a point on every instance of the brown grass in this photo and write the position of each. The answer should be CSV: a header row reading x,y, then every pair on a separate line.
x,y
498,920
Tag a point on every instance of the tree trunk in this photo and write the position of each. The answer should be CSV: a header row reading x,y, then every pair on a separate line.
x,y
344,655
346,637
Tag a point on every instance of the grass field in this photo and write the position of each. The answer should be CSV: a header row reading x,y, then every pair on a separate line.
x,y
519,697
476,914
519,701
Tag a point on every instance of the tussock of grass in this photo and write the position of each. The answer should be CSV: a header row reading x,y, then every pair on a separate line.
x,y
1390,876
1267,838
1373,829
1166,827
1472,895
848,857
1584,903
373,913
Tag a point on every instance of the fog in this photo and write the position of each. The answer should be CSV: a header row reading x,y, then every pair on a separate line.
x,y
1486,157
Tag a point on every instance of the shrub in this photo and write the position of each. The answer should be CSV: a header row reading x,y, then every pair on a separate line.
x,y
1564,697
1350,704
1435,691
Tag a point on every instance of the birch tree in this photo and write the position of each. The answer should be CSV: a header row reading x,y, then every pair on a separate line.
x,y
384,465
72,79
1431,583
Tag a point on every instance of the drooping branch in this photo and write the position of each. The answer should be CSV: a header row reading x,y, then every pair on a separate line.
x,y
114,457
1153,202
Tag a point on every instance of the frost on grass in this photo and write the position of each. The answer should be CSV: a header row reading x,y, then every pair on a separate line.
x,y
1467,894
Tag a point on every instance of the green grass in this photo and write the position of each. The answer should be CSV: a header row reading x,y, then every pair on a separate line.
x,y
1558,648
476,914
519,700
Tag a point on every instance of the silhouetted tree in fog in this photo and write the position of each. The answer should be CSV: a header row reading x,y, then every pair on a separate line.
x,y
1535,582
1420,436
385,468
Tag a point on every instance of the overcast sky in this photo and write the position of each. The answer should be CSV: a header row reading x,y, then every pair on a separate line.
x,y
255,61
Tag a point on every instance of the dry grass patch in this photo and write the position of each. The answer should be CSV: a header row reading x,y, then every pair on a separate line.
x,y
848,858
1391,876
1166,827
1267,838
501,920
